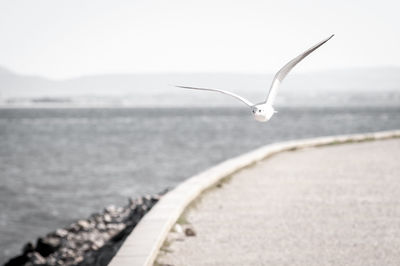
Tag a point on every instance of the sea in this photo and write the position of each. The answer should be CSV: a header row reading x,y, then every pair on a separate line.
x,y
58,165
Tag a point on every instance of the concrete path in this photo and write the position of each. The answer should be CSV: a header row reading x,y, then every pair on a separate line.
x,y
334,205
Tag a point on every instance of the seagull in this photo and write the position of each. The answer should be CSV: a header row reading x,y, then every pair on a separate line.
x,y
264,111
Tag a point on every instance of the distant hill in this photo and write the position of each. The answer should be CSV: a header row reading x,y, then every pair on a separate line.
x,y
352,86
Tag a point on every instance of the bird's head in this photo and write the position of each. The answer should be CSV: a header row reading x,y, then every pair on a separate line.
x,y
263,112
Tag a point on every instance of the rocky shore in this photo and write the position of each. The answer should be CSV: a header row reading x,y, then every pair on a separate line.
x,y
93,241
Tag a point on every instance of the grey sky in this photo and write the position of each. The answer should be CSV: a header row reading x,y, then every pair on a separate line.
x,y
61,39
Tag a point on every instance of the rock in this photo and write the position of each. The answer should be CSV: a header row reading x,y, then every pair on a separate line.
x,y
98,243
131,201
28,248
101,226
147,198
85,246
85,225
17,261
69,253
51,260
61,232
110,209
74,228
155,198
117,227
139,201
78,259
36,258
107,218
190,232
47,245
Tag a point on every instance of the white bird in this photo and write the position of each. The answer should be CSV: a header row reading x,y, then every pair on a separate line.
x,y
264,111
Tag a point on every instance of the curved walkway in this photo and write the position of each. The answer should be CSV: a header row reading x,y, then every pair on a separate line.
x,y
332,205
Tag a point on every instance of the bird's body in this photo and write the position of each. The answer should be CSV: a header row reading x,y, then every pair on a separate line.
x,y
264,111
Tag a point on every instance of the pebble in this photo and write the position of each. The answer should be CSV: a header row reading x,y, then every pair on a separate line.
x,y
190,232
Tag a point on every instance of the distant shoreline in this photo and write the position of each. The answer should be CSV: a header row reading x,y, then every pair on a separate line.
x,y
236,107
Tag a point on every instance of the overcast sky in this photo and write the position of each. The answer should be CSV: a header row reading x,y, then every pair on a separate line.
x,y
63,39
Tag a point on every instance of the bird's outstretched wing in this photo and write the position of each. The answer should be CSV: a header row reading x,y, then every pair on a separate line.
x,y
281,74
247,102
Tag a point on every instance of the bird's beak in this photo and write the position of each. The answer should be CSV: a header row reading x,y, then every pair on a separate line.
x,y
275,112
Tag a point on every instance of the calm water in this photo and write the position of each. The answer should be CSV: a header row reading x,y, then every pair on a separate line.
x,y
58,165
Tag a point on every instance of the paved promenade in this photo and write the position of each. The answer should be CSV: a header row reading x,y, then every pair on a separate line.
x,y
333,205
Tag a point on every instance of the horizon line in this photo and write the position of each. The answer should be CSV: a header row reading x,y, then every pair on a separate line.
x,y
74,77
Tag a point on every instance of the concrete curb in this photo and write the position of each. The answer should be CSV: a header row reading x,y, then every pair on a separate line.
x,y
142,245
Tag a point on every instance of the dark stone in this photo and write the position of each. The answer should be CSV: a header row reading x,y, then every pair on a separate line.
x,y
17,261
190,232
28,248
47,245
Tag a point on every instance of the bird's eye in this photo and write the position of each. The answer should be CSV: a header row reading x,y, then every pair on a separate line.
x,y
259,111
